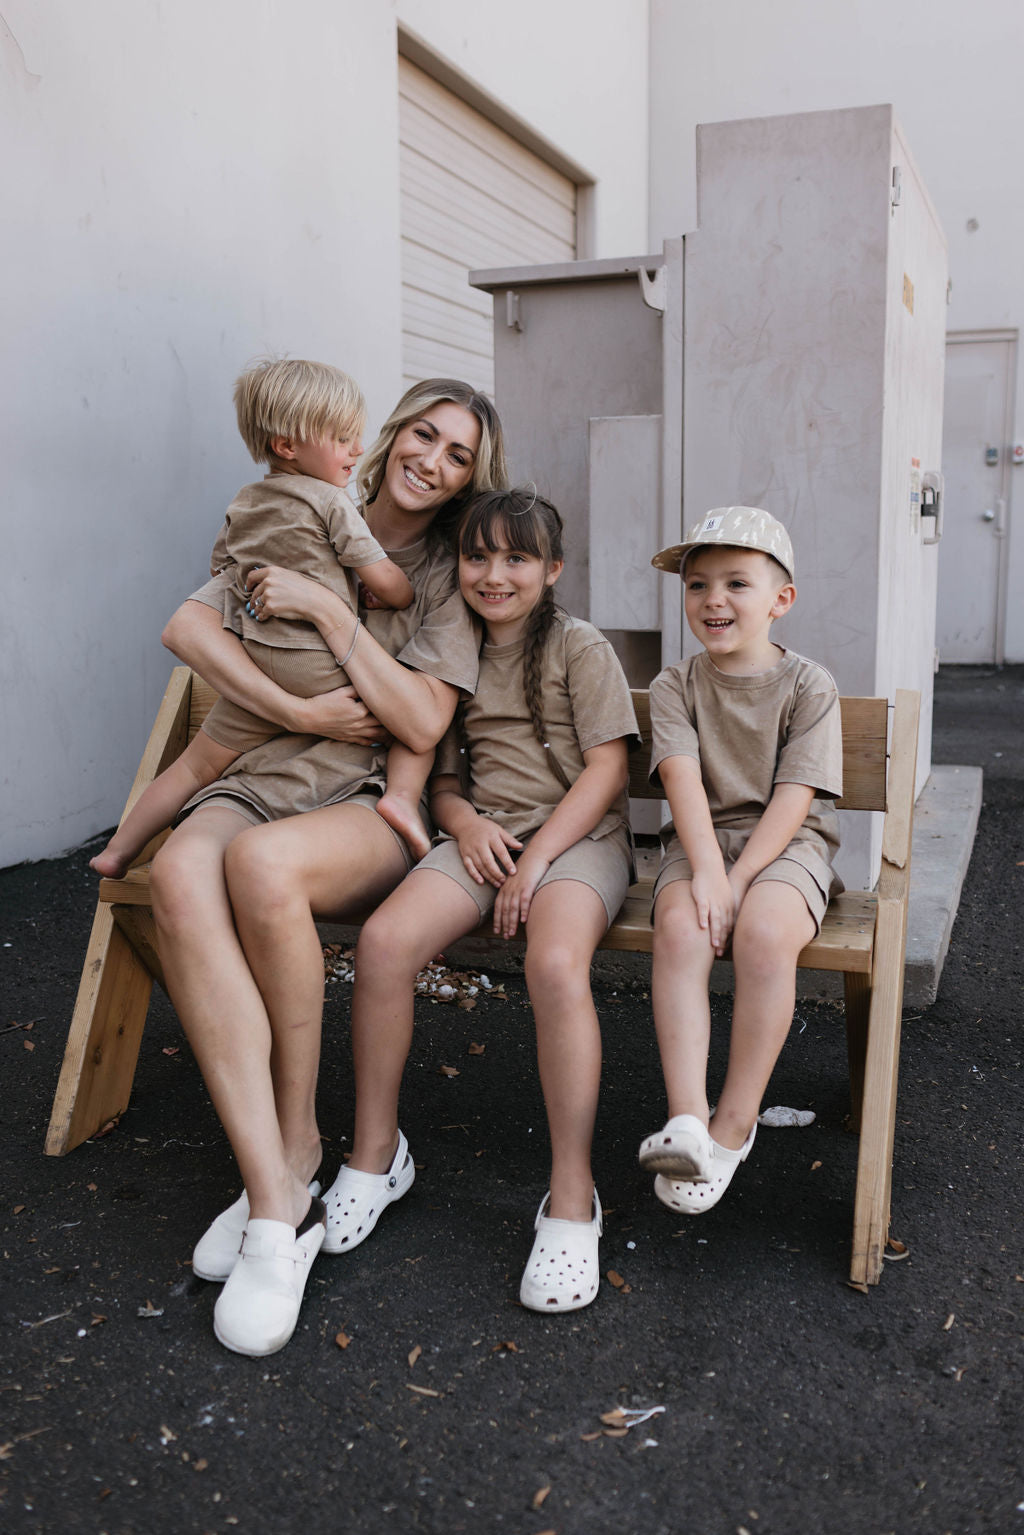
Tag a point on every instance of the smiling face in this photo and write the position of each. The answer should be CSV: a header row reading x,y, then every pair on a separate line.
x,y
432,458
504,585
731,597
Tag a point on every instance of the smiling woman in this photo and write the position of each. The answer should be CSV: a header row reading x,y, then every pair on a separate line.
x,y
236,886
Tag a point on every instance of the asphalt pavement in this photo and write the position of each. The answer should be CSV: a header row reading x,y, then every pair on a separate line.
x,y
417,1395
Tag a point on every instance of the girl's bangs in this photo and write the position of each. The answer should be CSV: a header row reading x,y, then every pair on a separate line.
x,y
501,527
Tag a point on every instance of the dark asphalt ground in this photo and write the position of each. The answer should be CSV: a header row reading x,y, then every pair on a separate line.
x,y
791,1402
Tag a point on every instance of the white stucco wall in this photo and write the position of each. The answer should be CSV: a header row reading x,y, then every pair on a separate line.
x,y
952,73
184,187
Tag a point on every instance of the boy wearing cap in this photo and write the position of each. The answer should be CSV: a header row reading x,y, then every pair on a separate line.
x,y
748,748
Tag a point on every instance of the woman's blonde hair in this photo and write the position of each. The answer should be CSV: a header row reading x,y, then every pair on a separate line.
x,y
289,397
490,470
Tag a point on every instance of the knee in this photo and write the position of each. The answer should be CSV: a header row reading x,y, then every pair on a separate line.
x,y
556,972
262,879
762,946
172,883
387,947
679,938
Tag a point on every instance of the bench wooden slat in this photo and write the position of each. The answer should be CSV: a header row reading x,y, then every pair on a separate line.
x,y
863,937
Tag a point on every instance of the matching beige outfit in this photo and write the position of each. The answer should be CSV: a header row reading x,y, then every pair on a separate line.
x,y
749,734
303,524
586,702
291,774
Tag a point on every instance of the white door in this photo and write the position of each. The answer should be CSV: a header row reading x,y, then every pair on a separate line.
x,y
472,197
976,467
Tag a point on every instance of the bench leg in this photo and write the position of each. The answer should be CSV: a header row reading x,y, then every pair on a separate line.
x,y
103,1041
878,1118
857,994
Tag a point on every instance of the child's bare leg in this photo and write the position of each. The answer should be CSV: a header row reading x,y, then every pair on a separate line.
x,y
399,805
201,763
567,921
681,969
772,926
427,911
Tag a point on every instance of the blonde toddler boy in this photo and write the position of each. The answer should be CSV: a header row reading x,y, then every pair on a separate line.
x,y
304,420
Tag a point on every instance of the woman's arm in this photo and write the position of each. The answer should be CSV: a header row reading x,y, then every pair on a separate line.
x,y
413,706
196,636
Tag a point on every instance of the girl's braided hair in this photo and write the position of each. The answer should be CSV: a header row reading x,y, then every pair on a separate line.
x,y
528,523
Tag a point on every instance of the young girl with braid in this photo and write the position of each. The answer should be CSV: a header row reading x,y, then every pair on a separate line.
x,y
529,789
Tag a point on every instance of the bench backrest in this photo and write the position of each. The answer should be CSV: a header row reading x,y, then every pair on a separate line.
x,y
865,726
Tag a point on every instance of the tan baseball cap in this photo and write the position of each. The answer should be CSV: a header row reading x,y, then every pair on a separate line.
x,y
742,527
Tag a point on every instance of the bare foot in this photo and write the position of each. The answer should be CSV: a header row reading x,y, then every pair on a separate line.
x,y
405,820
109,864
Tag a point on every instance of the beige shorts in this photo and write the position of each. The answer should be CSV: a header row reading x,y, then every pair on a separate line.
x,y
303,673
793,867
225,800
605,864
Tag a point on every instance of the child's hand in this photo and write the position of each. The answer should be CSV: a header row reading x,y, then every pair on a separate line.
x,y
367,600
739,883
516,894
484,848
716,903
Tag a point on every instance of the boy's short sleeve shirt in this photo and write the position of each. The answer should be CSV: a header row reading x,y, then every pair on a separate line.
x,y
750,733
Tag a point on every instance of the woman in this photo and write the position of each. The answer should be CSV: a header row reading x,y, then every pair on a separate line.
x,y
236,885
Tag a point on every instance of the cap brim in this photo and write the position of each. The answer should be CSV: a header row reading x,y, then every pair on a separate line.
x,y
671,559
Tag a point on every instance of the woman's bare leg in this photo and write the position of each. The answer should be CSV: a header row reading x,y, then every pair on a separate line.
x,y
426,912
567,921
681,969
337,861
772,926
220,1007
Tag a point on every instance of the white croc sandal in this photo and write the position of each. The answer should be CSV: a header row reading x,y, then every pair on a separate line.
x,y
258,1308
681,1150
356,1199
694,1198
216,1252
562,1272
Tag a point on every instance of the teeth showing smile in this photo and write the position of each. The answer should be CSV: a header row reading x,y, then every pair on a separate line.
x,y
717,623
416,482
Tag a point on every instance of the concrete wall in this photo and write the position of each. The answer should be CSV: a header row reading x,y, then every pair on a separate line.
x,y
950,70
186,186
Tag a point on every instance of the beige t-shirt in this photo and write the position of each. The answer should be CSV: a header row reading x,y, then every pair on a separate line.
x,y
586,701
435,635
751,733
303,524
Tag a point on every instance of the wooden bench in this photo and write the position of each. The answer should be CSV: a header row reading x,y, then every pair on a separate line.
x,y
863,937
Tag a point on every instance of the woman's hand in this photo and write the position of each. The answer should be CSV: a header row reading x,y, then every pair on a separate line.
x,y
341,715
484,849
278,593
516,894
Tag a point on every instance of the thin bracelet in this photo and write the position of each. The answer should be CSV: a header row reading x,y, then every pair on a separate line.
x,y
346,658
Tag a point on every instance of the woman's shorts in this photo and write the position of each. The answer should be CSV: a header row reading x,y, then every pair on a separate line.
x,y
257,817
792,867
605,864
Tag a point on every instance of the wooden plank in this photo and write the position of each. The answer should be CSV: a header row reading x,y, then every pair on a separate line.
x,y
138,926
902,776
865,731
878,1115
103,1042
